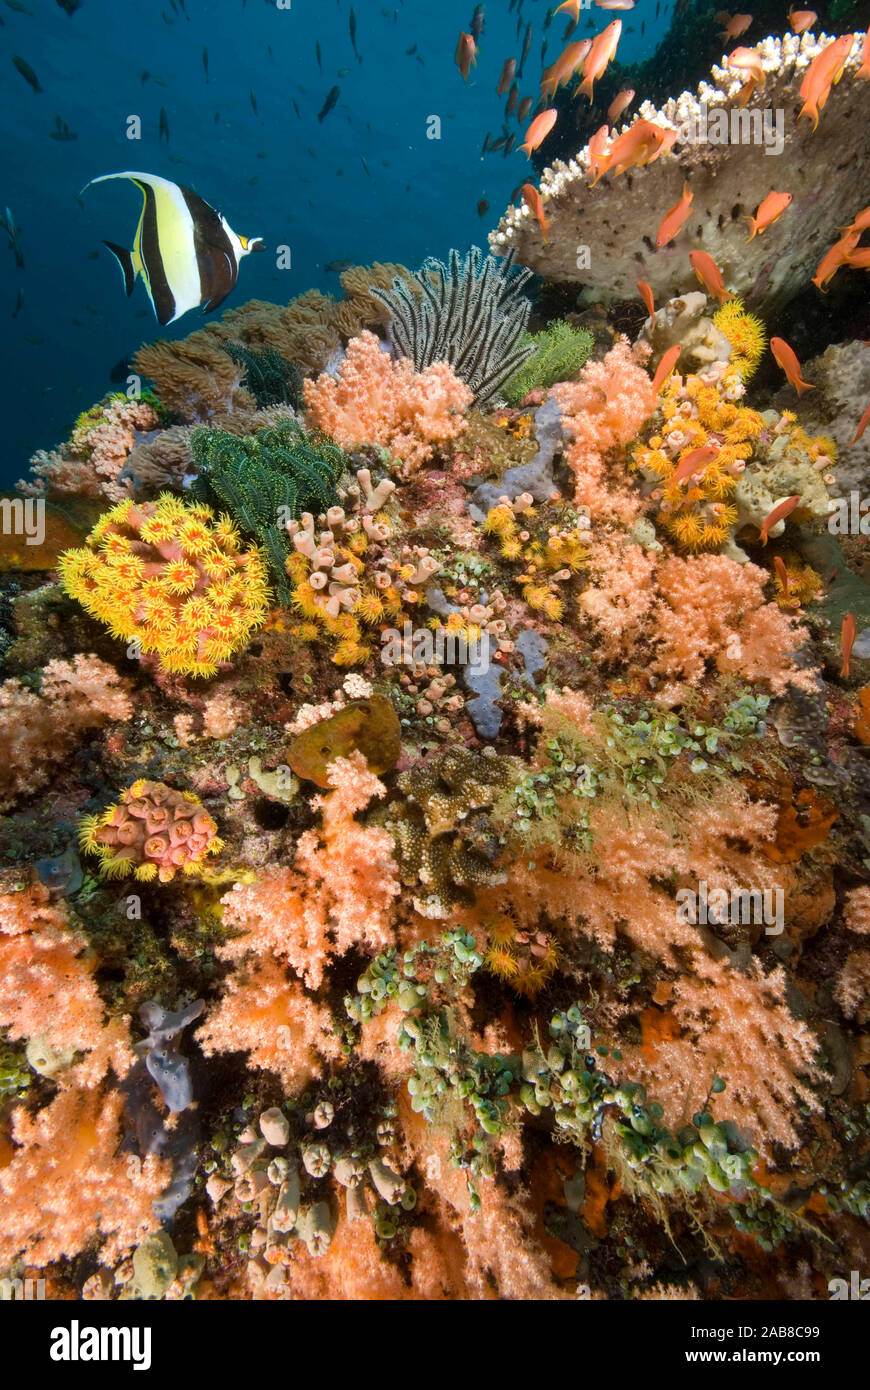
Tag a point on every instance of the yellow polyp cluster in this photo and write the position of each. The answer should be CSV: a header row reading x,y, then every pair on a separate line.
x,y
802,585
745,333
547,561
700,412
524,960
170,577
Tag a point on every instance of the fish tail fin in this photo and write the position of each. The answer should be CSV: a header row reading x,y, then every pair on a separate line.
x,y
754,228
801,386
125,261
587,86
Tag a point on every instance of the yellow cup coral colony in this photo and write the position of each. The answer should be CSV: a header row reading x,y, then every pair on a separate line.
x,y
173,578
548,557
152,832
746,334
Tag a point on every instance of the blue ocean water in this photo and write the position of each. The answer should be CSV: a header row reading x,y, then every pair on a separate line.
x,y
365,183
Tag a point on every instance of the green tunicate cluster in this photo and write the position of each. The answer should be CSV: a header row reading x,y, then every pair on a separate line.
x,y
849,1196
535,796
567,1080
448,1077
15,1075
269,377
559,353
266,479
768,1224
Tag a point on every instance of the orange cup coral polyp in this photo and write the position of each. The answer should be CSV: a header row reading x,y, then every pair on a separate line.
x,y
171,577
152,832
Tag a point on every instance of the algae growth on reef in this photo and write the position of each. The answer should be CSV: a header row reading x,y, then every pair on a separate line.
x,y
435,713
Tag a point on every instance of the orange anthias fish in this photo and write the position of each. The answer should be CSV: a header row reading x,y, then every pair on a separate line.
x,y
709,275
620,102
801,20
539,130
860,223
836,257
862,425
532,200
768,210
860,259
786,359
599,156
747,62
847,641
779,513
675,218
565,65
693,463
781,574
466,54
573,7
823,72
638,146
600,54
666,366
735,24
646,295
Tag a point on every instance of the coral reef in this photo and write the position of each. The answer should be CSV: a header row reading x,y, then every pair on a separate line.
x,y
438,845
728,181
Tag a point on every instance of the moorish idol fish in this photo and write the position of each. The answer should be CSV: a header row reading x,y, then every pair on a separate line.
x,y
186,253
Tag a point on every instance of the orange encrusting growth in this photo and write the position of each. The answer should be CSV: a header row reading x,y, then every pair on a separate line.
x,y
171,578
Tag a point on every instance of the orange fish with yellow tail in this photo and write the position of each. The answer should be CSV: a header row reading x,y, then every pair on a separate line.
x,y
847,641
573,8
778,514
767,212
603,50
532,200
823,72
646,295
674,219
539,130
709,275
785,357
666,366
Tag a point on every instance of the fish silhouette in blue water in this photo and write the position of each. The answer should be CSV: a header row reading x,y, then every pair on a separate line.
x,y
186,253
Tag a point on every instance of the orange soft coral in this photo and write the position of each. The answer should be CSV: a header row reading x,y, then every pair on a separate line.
x,y
48,991
268,1015
339,894
66,1183
377,401
713,608
38,731
602,412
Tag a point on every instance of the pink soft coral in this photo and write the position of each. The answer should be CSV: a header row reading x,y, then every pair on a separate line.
x,y
37,731
713,608
377,401
602,412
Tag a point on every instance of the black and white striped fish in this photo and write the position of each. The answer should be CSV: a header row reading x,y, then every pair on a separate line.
x,y
185,251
